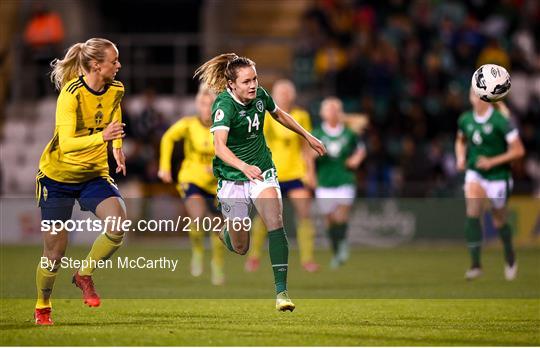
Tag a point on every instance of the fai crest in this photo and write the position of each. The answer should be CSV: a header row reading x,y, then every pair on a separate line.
x,y
259,105
219,115
487,128
98,117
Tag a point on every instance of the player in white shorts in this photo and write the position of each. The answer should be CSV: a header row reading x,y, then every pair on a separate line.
x,y
243,163
335,175
486,143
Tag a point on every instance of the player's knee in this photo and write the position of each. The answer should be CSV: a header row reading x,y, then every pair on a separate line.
x,y
241,248
498,221
274,222
474,210
54,257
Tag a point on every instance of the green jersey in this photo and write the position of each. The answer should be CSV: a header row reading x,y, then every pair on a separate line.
x,y
340,143
245,123
488,136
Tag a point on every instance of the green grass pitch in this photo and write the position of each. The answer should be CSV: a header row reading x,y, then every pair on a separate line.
x,y
412,295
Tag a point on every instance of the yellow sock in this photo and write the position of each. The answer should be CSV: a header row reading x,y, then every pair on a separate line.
x,y
104,246
258,237
197,239
44,284
218,251
305,235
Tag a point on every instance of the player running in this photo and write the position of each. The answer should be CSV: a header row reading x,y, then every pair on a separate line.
x,y
486,143
335,175
243,163
290,154
74,165
196,182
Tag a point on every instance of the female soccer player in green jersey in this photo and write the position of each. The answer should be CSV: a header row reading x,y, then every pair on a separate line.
x,y
243,163
74,164
486,143
335,175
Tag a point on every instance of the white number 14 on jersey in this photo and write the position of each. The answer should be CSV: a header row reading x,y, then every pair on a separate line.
x,y
254,123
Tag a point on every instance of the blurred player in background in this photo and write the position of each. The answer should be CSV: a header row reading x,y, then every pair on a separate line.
x,y
74,165
486,143
295,170
196,182
243,164
335,175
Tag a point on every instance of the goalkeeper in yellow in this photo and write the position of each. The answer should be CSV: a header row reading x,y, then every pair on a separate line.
x,y
74,165
296,174
196,182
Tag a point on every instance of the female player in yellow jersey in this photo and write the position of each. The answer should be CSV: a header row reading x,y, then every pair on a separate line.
x,y
196,182
295,170
74,165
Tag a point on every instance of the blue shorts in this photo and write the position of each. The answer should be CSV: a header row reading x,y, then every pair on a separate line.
x,y
287,186
189,189
56,199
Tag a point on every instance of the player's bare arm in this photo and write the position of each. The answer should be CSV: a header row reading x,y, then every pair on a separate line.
x,y
515,151
286,120
120,159
354,160
460,148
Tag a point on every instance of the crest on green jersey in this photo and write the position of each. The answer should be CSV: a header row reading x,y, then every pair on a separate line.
x,y
487,128
259,105
219,115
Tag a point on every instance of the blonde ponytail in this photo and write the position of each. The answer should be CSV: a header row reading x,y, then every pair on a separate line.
x,y
216,72
77,60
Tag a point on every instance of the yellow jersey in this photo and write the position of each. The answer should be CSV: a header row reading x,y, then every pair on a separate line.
x,y
196,167
286,145
77,151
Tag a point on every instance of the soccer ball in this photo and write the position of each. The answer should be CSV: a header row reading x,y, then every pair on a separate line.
x,y
491,82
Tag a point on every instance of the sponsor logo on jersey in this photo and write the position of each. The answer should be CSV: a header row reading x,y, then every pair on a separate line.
x,y
259,105
219,115
242,113
487,128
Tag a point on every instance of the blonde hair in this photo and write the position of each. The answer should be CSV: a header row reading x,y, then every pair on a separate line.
x,y
205,90
287,84
77,60
332,100
216,72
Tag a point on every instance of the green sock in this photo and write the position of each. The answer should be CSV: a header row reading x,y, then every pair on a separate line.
x,y
340,231
332,236
336,233
279,256
227,240
505,234
473,234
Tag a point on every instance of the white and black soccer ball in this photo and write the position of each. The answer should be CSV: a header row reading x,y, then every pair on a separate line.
x,y
491,82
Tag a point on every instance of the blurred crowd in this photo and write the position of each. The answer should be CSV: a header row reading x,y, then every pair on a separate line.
x,y
408,66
